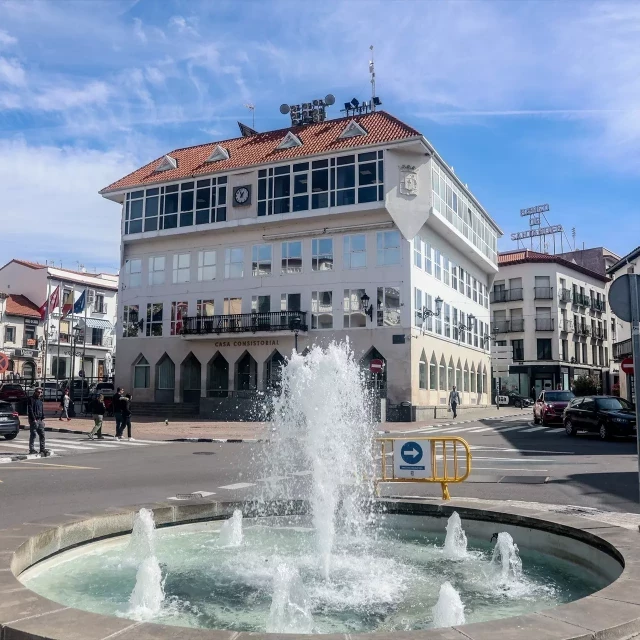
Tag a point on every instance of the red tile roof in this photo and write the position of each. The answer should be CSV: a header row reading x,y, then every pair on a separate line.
x,y
523,256
322,137
19,305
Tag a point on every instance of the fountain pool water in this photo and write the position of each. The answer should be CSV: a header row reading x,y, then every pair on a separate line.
x,y
343,568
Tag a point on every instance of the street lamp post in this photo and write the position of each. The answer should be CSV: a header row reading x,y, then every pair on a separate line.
x,y
77,330
295,327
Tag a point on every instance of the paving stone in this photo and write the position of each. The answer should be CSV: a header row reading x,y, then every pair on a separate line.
x,y
16,605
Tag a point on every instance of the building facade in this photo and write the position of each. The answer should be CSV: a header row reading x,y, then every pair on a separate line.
x,y
70,343
555,316
351,228
21,338
622,345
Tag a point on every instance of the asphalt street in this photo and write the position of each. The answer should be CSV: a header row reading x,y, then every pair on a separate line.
x,y
512,460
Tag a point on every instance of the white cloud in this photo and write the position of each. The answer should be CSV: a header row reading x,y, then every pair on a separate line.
x,y
139,31
6,40
51,206
59,98
11,72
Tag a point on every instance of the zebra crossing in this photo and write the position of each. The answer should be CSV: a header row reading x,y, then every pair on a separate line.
x,y
503,426
72,445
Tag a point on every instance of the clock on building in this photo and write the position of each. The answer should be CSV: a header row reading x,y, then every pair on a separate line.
x,y
242,196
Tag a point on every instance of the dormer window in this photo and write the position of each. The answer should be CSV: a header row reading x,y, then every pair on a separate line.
x,y
167,163
219,153
353,130
289,141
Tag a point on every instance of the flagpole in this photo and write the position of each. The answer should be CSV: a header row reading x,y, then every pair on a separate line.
x,y
46,335
73,352
59,305
84,347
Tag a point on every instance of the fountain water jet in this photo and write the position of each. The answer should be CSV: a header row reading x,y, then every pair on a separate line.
x,y
142,541
506,562
455,544
231,531
289,611
449,610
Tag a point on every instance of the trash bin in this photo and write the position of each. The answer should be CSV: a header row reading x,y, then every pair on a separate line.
x,y
406,411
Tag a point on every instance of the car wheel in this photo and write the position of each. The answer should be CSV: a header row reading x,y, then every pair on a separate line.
x,y
569,429
603,432
10,436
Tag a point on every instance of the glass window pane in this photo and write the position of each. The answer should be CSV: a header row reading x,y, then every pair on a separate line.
x,y
367,174
203,198
300,183
346,176
171,203
320,181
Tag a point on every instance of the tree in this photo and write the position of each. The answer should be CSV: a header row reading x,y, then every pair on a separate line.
x,y
586,385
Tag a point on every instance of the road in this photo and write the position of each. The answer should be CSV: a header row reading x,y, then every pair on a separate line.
x,y
512,460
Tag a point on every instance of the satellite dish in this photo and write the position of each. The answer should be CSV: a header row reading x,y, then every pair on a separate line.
x,y
330,99
284,108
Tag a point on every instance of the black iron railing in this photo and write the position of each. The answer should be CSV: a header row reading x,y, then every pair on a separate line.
x,y
597,305
581,300
566,325
245,323
507,326
543,293
544,324
506,295
565,295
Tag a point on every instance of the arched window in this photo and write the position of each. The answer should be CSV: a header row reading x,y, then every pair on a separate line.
x,y
141,374
479,378
433,373
459,376
422,371
472,379
443,375
451,374
466,377
484,380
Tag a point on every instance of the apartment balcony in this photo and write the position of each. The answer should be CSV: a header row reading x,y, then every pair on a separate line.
x,y
597,305
566,325
622,349
598,334
508,326
506,295
565,295
270,322
581,300
583,330
544,324
543,293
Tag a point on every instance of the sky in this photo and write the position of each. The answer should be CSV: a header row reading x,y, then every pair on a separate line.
x,y
530,102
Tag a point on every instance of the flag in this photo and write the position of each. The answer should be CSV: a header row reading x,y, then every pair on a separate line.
x,y
78,307
50,304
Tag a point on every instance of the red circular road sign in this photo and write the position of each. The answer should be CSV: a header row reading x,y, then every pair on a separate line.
x,y
376,365
627,366
4,362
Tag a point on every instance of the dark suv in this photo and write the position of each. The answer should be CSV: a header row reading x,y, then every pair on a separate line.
x,y
605,415
9,421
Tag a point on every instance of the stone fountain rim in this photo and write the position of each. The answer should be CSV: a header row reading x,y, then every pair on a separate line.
x,y
611,613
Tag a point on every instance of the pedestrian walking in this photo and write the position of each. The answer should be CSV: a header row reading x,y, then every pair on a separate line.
x,y
98,409
117,414
35,415
125,410
454,401
65,403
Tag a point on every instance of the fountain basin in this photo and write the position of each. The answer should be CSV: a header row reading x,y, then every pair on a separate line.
x,y
609,552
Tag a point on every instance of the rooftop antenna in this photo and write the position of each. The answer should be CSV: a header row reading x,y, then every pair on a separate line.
x,y
573,235
372,73
252,108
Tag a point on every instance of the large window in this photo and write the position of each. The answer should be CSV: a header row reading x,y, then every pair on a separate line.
x,y
261,260
10,334
355,251
176,205
447,320
322,254
232,306
130,319
544,349
417,251
234,263
388,306
133,273
437,263
320,184
205,308
154,319
518,349
290,302
156,270
179,311
354,316
322,310
261,304
141,374
433,373
417,303
291,257
181,267
206,265
422,371
388,247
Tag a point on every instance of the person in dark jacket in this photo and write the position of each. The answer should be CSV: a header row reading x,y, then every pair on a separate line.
x,y
125,410
98,409
116,409
35,415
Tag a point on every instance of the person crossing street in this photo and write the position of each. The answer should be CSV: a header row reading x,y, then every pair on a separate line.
x,y
454,401
35,415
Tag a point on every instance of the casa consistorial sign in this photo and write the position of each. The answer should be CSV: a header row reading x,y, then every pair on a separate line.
x,y
408,180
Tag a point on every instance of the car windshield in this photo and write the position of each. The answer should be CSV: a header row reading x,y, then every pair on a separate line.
x,y
5,406
613,404
558,396
11,387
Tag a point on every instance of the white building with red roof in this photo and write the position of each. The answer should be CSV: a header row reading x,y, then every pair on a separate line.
x,y
353,227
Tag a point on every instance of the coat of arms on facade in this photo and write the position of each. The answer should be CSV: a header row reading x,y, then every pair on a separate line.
x,y
408,180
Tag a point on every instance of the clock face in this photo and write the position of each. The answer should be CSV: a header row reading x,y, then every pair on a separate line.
x,y
241,195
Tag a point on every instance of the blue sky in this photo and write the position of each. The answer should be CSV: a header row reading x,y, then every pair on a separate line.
x,y
531,102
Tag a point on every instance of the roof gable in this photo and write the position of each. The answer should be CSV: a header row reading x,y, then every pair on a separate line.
x,y
317,138
219,153
19,305
289,141
353,130
167,163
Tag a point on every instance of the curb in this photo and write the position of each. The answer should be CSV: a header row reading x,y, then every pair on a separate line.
x,y
251,440
23,456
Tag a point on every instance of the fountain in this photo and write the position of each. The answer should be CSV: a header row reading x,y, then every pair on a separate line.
x,y
313,551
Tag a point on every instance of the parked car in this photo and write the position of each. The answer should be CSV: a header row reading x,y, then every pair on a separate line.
x,y
550,406
12,392
607,416
51,391
9,421
516,400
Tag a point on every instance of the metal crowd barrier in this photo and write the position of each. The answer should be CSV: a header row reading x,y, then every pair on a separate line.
x,y
442,460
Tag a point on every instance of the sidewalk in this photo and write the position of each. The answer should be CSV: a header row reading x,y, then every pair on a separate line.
x,y
146,428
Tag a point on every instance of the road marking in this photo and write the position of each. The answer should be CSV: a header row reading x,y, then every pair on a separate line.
x,y
238,485
483,429
32,463
505,469
508,429
527,460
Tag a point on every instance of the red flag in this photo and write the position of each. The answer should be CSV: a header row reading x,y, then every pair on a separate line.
x,y
51,304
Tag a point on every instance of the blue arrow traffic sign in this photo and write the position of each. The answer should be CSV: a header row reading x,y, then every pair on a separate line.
x,y
411,452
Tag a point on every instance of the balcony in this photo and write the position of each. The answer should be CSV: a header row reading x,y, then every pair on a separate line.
x,y
506,295
565,295
597,305
543,293
566,325
622,349
583,330
598,334
508,326
544,324
243,323
581,300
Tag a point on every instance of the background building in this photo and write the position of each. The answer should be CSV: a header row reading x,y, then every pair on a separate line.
x,y
353,227
554,314
91,348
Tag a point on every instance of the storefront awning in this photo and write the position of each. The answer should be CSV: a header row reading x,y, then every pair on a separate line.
x,y
96,323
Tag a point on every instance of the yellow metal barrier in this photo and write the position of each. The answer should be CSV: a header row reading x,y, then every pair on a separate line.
x,y
444,457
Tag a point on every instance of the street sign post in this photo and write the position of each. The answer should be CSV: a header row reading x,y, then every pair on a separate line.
x,y
627,366
411,459
376,365
624,300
